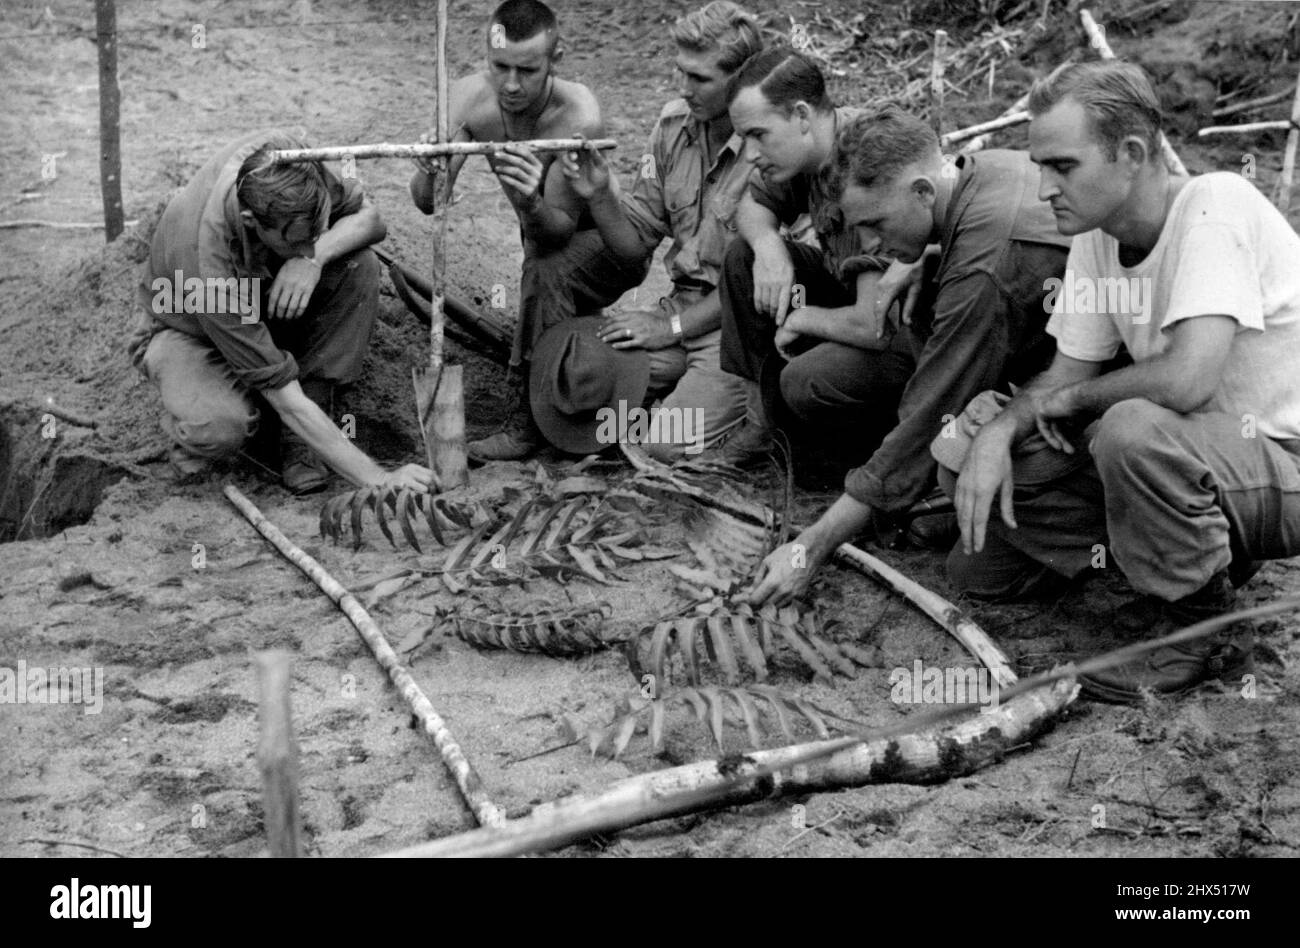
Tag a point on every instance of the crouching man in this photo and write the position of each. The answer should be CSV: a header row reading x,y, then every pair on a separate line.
x,y
259,281
999,249
1187,461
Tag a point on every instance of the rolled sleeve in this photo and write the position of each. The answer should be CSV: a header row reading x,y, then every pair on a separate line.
x,y
780,199
964,356
249,351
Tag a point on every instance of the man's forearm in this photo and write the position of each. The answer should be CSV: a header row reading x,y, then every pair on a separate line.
x,y
843,324
845,519
305,418
546,225
615,228
755,223
349,234
1157,380
702,316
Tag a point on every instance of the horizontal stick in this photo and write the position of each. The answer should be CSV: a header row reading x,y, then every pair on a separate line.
x,y
1004,121
60,225
431,150
1248,127
71,417
1252,104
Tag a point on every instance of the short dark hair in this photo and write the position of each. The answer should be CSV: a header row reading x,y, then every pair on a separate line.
x,y
279,194
524,19
874,147
723,26
1117,97
784,77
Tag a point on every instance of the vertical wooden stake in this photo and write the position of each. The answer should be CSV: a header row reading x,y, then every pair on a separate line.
x,y
449,454
277,757
936,80
110,112
1283,197
439,389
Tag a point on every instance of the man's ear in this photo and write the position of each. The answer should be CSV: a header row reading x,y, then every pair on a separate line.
x,y
803,112
557,53
1135,151
246,217
923,187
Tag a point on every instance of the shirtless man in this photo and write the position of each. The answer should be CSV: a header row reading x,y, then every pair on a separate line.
x,y
518,98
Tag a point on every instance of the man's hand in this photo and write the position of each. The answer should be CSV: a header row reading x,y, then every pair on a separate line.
x,y
587,172
986,472
638,329
292,288
773,278
431,165
409,477
520,172
784,575
901,281
784,338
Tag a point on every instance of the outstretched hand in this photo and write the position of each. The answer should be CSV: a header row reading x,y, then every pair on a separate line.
x,y
415,477
783,576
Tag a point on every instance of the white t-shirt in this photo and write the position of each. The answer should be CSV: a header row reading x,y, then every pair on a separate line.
x,y
1224,251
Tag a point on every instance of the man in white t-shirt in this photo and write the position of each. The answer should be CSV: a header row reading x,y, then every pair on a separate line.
x,y
1185,462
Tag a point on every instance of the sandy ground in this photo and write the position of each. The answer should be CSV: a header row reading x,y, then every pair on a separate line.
x,y
170,592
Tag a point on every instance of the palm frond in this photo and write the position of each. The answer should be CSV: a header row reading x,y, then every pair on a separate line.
x,y
575,630
740,643
407,508
755,708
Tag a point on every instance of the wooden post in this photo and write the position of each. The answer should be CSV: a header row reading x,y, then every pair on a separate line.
x,y
936,80
1283,197
110,112
439,391
277,757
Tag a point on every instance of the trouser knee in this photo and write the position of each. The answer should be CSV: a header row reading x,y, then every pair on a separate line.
x,y
215,433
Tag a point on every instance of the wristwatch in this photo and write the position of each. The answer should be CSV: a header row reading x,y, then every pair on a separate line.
x,y
675,322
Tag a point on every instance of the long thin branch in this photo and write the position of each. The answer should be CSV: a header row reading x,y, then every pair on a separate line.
x,y
435,150
467,778
1244,128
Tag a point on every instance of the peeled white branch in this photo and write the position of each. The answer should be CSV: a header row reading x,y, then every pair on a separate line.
x,y
467,778
431,150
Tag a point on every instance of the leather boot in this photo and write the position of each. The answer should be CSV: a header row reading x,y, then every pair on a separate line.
x,y
518,437
750,445
301,468
1225,654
